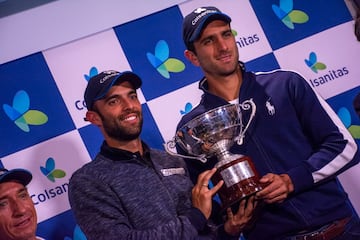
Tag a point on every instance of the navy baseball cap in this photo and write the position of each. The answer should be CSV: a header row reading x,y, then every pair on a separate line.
x,y
100,84
195,22
18,174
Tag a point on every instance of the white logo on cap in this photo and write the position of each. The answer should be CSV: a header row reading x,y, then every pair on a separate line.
x,y
112,74
199,10
203,12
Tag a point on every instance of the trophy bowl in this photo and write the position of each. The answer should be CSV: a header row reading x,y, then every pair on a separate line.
x,y
212,134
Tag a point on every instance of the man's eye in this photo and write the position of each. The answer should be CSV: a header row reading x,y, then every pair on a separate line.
x,y
24,195
3,203
113,101
207,41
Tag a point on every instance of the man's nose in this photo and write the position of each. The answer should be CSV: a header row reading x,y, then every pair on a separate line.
x,y
222,44
127,103
18,208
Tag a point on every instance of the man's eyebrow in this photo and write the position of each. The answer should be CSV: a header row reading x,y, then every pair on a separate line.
x,y
23,189
106,98
115,95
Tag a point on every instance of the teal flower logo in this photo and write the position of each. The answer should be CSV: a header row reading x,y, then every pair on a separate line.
x,y
288,15
21,113
188,107
345,116
313,63
78,234
93,71
50,172
162,63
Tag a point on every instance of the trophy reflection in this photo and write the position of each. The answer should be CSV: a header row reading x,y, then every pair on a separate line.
x,y
212,134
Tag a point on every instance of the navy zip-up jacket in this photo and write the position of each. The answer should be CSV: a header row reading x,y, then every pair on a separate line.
x,y
294,132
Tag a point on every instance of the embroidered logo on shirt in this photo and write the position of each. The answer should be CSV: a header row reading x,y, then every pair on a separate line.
x,y
172,171
270,107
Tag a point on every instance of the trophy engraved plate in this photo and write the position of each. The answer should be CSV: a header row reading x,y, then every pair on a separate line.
x,y
212,134
236,173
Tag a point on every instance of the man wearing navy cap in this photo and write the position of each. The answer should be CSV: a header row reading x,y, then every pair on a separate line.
x,y
130,191
297,143
18,219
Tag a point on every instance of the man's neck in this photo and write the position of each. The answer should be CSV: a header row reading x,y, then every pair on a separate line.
x,y
227,87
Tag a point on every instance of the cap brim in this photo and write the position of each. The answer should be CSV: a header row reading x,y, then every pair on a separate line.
x,y
130,77
121,77
20,175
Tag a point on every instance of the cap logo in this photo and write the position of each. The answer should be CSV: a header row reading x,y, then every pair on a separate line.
x,y
203,12
112,74
199,10
2,172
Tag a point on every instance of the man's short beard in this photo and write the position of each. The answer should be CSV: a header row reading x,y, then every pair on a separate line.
x,y
120,133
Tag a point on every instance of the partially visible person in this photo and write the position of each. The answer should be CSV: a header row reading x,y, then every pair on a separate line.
x,y
18,219
354,7
356,104
357,24
131,191
296,141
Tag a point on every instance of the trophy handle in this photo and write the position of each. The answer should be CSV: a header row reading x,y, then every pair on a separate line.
x,y
171,145
246,105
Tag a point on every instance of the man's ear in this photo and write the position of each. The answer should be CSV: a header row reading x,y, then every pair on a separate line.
x,y
191,56
93,117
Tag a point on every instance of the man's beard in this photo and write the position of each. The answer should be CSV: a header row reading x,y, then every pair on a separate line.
x,y
122,133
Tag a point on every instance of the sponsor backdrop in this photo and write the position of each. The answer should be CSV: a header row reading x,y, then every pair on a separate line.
x,y
42,107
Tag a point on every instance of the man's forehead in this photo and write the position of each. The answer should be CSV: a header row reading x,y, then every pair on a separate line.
x,y
10,188
126,84
214,27
125,87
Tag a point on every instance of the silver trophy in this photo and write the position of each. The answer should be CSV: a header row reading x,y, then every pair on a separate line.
x,y
212,134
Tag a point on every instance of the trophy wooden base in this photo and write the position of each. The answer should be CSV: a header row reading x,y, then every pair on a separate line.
x,y
241,180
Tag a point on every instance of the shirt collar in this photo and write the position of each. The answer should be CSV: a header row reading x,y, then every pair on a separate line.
x,y
117,154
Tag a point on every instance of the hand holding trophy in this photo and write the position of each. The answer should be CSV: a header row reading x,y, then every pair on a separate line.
x,y
212,134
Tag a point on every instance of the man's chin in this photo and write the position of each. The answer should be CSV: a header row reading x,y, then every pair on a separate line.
x,y
24,234
129,136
